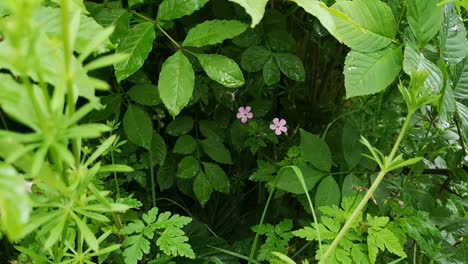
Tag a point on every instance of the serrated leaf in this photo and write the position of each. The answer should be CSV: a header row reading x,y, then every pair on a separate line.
x,y
424,19
289,182
415,61
290,65
176,83
452,35
213,32
188,167
222,69
137,44
135,246
254,58
14,202
202,188
383,239
364,25
172,9
180,126
185,144
316,151
271,72
216,151
173,242
217,177
328,193
370,73
145,94
460,80
138,126
255,8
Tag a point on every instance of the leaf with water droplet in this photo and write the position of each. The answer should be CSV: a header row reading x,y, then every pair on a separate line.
x,y
291,66
271,72
222,69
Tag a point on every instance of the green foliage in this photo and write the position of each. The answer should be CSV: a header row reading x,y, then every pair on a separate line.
x,y
277,238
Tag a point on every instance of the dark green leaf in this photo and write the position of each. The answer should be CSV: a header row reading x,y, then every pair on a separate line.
x,y
316,151
217,177
291,66
281,41
213,32
176,83
289,182
216,150
167,174
138,126
202,188
145,94
180,126
254,58
352,148
137,44
158,149
185,144
271,72
222,69
328,193
120,18
172,9
211,129
351,185
188,167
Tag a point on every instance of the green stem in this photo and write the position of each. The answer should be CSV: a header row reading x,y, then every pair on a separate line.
x,y
153,185
168,36
369,193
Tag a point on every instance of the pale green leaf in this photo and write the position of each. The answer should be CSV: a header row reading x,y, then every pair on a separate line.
x,y
137,44
216,151
316,151
202,188
328,193
255,8
172,9
424,18
86,232
320,11
106,61
217,177
452,36
370,73
222,70
213,32
176,83
173,242
138,126
415,61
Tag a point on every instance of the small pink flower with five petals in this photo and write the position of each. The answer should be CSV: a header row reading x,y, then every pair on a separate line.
x,y
279,126
244,114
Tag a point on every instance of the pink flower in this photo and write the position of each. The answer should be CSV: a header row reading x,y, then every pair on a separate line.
x,y
279,126
244,114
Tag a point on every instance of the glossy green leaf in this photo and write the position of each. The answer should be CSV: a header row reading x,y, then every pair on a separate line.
x,y
352,148
254,58
328,193
271,72
364,25
120,18
316,151
213,32
460,80
14,202
137,44
145,94
320,10
289,182
176,83
138,126
291,66
172,9
202,188
216,151
185,144
180,126
370,73
415,61
188,167
255,8
452,36
222,69
217,177
424,19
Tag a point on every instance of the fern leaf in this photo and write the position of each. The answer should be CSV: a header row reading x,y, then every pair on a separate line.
x,y
172,241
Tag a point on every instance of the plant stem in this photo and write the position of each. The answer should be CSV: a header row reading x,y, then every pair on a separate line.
x,y
153,185
369,193
168,36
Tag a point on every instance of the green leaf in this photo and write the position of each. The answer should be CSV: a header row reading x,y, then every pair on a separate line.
x,y
352,148
213,32
316,151
120,18
290,65
185,144
145,94
135,246
173,242
452,36
383,239
415,61
255,8
370,73
289,182
424,19
211,129
216,150
320,11
328,193
222,69
202,188
158,149
460,80
280,40
188,167
180,126
14,202
271,72
137,44
350,185
172,9
254,58
217,177
167,174
86,233
364,25
138,126
176,83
